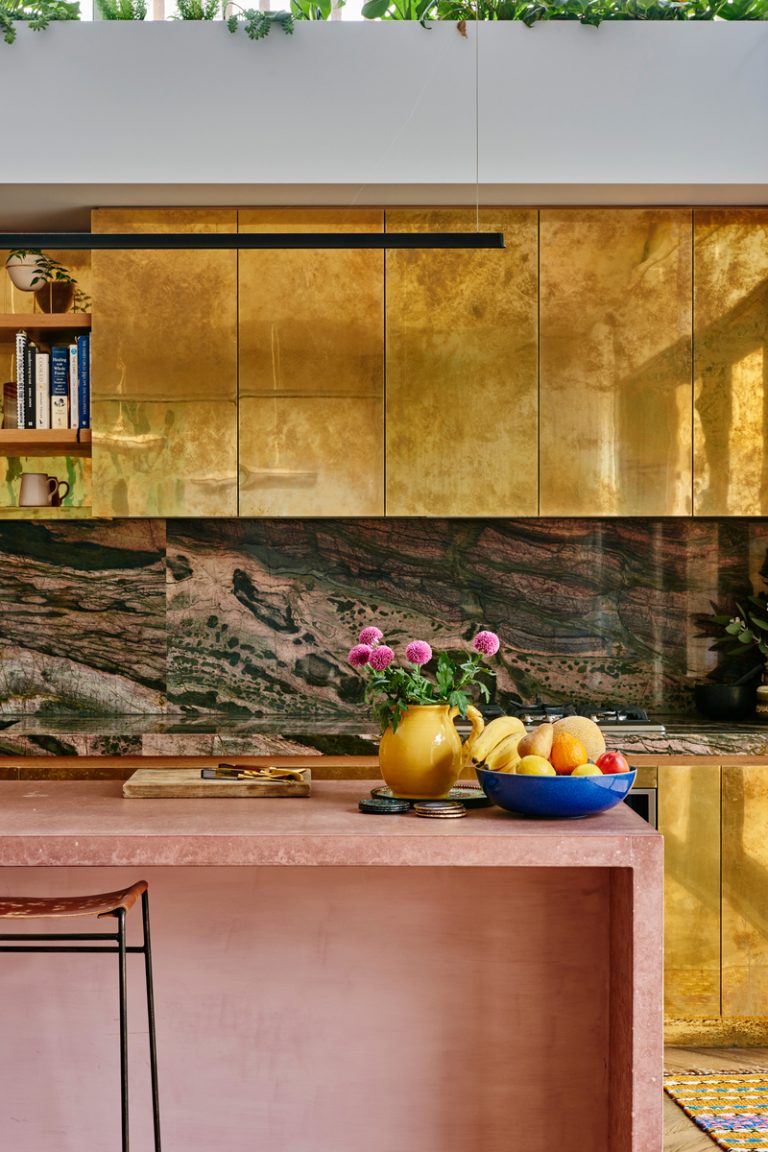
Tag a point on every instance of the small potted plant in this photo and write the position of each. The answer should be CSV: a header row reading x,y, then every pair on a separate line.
x,y
415,700
741,641
55,288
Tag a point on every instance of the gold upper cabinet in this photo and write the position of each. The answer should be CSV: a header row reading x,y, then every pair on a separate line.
x,y
311,331
462,437
731,361
615,362
164,373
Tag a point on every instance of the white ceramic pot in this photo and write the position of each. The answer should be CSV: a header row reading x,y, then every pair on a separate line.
x,y
23,270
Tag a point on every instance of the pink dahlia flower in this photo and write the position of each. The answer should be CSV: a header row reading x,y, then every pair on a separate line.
x,y
418,652
360,655
486,642
370,635
381,657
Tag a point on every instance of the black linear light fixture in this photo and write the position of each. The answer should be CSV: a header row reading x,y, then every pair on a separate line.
x,y
129,241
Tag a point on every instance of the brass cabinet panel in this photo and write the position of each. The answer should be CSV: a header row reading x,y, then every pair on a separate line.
x,y
689,819
462,409
731,361
311,332
164,352
615,362
745,891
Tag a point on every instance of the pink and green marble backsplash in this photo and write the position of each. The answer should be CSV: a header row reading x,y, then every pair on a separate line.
x,y
254,617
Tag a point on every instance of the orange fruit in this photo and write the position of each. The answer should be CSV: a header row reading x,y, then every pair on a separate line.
x,y
567,753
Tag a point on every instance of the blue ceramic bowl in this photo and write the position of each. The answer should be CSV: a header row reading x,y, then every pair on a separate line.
x,y
558,796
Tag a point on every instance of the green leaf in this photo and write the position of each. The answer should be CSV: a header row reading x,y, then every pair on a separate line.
x,y
375,9
746,637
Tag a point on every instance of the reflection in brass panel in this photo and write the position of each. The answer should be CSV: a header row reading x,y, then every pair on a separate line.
x,y
731,361
745,891
689,819
615,363
164,371
311,331
461,369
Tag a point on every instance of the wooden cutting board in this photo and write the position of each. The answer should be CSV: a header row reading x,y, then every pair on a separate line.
x,y
186,783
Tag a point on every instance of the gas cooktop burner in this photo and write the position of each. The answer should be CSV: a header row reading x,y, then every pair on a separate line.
x,y
624,716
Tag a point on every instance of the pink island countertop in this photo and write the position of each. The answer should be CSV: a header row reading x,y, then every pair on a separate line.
x,y
497,983
73,823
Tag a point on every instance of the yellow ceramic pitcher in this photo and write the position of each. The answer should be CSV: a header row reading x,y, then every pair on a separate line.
x,y
423,758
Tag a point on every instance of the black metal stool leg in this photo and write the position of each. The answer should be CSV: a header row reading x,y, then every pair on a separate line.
x,y
121,946
151,1018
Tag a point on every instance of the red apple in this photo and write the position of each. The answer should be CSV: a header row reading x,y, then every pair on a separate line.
x,y
610,763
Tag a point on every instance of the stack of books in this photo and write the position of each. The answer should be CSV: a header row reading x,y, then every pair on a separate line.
x,y
53,385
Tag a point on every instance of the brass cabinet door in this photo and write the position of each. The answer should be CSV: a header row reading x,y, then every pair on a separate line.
x,y
164,370
311,336
689,819
745,891
615,362
731,361
462,393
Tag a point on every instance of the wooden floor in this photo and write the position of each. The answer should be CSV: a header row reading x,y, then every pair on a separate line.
x,y
680,1133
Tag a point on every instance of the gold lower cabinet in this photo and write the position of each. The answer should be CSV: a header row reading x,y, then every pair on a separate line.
x,y
689,819
745,891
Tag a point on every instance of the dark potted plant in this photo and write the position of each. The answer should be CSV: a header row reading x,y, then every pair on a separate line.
x,y
741,640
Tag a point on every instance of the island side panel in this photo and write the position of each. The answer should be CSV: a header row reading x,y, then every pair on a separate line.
x,y
325,1010
636,997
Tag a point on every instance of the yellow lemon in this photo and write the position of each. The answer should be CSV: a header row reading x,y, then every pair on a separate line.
x,y
535,766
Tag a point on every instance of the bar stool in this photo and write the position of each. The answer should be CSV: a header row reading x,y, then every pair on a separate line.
x,y
115,904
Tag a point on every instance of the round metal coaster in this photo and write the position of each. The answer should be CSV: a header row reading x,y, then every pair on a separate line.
x,y
468,792
439,809
383,807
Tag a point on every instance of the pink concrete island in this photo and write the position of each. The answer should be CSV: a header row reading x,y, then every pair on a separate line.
x,y
331,982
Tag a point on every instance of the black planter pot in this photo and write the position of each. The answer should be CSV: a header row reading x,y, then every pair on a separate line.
x,y
725,701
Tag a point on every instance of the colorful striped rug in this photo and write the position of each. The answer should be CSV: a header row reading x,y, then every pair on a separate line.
x,y
732,1109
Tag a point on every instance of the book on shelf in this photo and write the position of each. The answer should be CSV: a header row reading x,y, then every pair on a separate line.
x,y
21,361
59,386
74,405
30,393
42,390
53,385
84,380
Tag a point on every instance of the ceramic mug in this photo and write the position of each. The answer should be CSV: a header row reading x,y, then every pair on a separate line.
x,y
39,490
57,495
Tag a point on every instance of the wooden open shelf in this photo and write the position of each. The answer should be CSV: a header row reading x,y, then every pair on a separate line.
x,y
45,442
42,324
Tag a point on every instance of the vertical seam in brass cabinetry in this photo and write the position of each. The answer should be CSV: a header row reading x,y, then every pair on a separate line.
x,y
384,323
693,404
237,373
538,362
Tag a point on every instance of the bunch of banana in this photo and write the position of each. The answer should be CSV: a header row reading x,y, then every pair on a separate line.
x,y
496,748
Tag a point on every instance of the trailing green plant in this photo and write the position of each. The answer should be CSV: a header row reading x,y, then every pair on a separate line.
x,y
50,271
36,13
314,9
196,10
122,9
592,12
258,24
